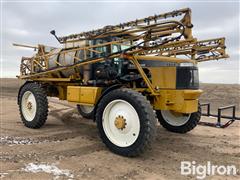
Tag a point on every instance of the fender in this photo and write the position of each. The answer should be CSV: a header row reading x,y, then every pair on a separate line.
x,y
105,92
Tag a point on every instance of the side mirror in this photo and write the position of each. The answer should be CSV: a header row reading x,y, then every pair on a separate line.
x,y
53,32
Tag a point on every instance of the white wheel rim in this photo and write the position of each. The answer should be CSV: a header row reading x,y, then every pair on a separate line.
x,y
86,109
28,105
128,135
175,119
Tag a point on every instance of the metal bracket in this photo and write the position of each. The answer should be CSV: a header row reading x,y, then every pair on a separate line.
x,y
219,116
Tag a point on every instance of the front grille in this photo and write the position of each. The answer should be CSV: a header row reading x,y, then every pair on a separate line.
x,y
187,78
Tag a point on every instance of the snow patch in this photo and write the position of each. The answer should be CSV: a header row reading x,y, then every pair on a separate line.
x,y
2,175
48,168
15,140
9,140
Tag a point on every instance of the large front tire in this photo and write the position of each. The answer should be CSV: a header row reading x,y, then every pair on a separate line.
x,y
126,122
178,122
33,105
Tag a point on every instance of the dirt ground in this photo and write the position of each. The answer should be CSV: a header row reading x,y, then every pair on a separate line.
x,y
68,146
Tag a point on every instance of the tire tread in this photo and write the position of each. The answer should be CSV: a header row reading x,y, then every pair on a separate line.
x,y
42,105
149,122
191,124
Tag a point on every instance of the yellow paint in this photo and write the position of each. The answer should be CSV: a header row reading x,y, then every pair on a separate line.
x,y
53,79
163,77
83,95
183,101
143,74
120,122
164,59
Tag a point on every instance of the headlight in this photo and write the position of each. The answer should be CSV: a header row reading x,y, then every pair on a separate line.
x,y
186,64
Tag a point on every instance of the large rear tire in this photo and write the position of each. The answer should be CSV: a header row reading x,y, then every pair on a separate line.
x,y
126,122
86,111
178,122
33,105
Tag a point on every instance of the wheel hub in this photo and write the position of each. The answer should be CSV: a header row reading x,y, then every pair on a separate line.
x,y
29,105
120,122
175,118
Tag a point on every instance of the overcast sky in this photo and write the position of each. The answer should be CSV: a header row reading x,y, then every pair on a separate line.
x,y
30,23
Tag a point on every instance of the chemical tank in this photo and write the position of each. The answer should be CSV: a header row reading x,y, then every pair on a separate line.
x,y
58,59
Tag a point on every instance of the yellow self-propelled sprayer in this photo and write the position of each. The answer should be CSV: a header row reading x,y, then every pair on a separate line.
x,y
124,77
